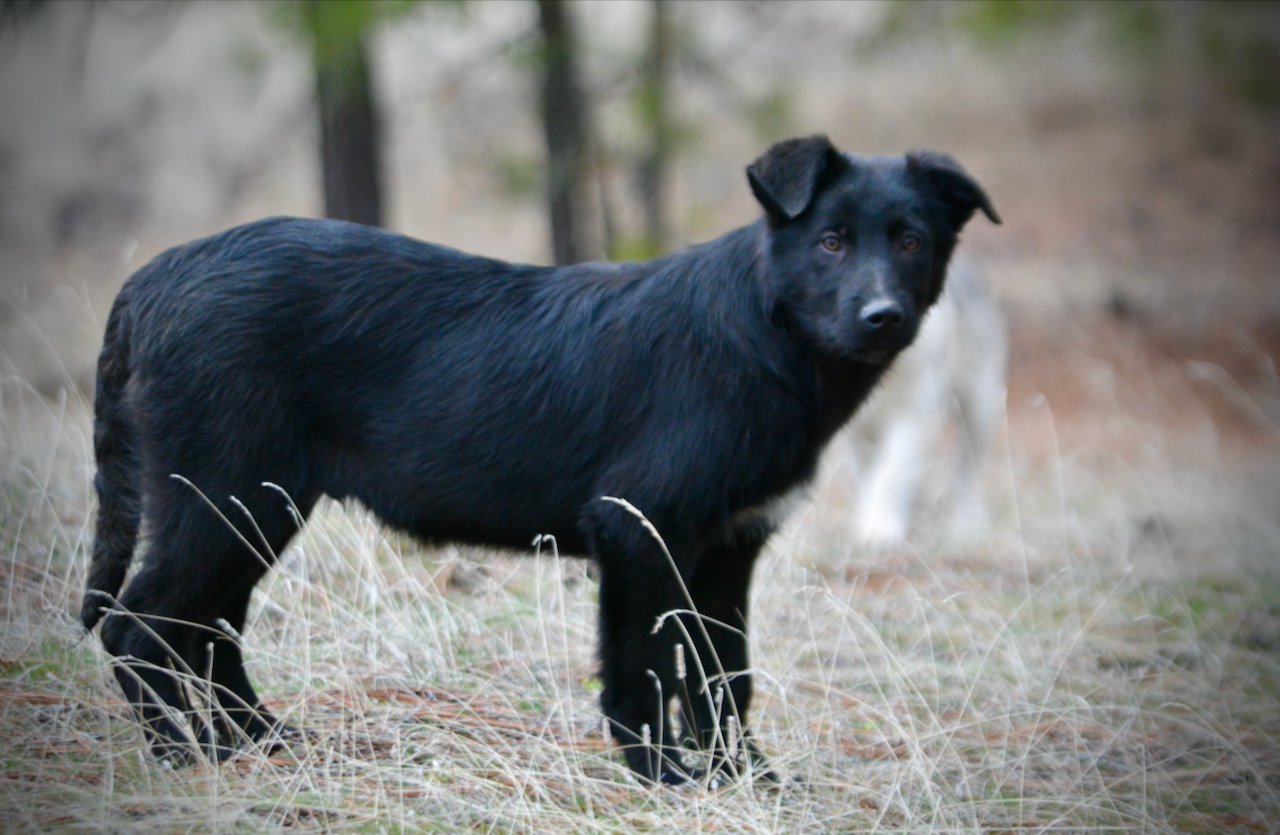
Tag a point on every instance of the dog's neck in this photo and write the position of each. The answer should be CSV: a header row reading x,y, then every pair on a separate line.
x,y
842,385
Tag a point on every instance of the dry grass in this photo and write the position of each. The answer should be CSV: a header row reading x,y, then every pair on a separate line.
x,y
1106,659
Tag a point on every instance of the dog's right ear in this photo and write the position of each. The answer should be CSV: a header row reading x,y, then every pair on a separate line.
x,y
785,178
958,191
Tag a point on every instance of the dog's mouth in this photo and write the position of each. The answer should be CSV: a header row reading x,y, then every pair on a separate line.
x,y
877,349
865,354
873,356
861,349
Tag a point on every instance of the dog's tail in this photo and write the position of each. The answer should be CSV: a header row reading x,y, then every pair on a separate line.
x,y
117,480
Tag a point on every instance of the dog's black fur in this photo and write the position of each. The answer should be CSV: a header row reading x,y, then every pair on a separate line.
x,y
467,399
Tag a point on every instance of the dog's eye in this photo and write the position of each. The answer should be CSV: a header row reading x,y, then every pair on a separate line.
x,y
831,242
910,242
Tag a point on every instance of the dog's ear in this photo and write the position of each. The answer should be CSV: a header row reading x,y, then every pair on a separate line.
x,y
785,178
952,184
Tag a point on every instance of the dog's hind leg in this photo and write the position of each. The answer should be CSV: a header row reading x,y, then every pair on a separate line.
x,y
237,710
199,571
153,667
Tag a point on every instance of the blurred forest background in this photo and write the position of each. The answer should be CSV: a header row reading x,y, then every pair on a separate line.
x,y
1130,146
1133,150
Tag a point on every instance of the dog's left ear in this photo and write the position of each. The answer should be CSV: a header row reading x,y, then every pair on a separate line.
x,y
785,178
960,192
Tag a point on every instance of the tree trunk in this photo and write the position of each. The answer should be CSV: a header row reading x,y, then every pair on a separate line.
x,y
566,125
349,135
655,165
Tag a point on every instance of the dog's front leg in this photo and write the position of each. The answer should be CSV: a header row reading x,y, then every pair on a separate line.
x,y
716,694
638,584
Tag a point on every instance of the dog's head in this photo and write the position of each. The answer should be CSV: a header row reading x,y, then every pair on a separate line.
x,y
857,248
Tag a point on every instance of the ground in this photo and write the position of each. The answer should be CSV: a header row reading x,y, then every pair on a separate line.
x,y
1105,656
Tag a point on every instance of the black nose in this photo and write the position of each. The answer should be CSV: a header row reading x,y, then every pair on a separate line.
x,y
883,314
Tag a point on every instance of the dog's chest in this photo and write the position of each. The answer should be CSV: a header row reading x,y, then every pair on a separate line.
x,y
771,513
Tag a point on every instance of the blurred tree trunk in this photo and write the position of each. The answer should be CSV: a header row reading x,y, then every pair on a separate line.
x,y
566,125
655,111
349,134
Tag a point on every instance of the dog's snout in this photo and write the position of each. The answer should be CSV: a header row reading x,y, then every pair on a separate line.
x,y
883,314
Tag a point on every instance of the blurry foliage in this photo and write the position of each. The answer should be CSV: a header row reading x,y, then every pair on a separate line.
x,y
771,116
998,24
1137,29
1239,56
647,102
676,51
332,26
1247,63
678,132
520,175
633,248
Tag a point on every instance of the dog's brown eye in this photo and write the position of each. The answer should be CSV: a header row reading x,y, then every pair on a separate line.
x,y
910,242
831,242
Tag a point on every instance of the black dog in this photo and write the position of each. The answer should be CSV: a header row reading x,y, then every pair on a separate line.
x,y
468,399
